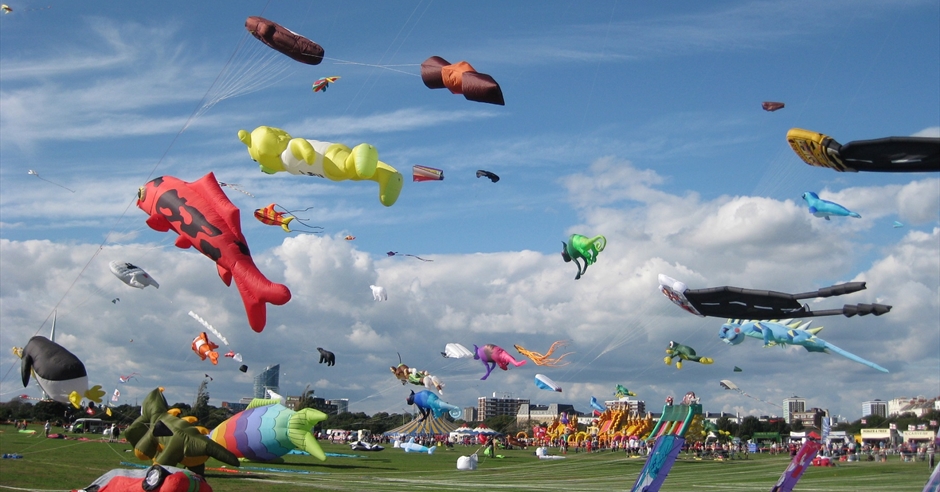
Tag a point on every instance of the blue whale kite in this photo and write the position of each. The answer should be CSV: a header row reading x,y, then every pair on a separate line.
x,y
825,208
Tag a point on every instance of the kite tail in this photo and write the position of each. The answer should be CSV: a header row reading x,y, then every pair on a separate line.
x,y
256,290
298,431
285,223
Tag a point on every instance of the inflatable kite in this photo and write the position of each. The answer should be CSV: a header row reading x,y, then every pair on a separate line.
x,y
378,293
396,253
492,356
270,216
897,225
886,155
365,446
428,403
825,208
204,348
544,382
326,356
284,40
486,174
267,430
461,78
322,84
456,351
155,479
771,105
582,247
349,238
159,435
276,151
132,275
412,375
598,408
206,220
683,352
736,302
424,173
544,360
622,392
412,447
801,461
60,374
785,333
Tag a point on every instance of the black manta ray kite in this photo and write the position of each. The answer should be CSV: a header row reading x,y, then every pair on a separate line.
x,y
885,155
739,303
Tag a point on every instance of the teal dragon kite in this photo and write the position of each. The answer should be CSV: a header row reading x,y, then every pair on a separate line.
x,y
783,333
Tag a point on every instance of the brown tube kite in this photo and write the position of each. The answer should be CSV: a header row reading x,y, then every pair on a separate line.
x,y
461,78
284,40
771,105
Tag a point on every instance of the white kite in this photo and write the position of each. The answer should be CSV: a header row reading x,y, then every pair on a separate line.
x,y
456,351
378,293
132,275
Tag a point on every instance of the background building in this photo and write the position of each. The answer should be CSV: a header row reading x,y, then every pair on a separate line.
x,y
792,405
811,418
293,403
267,379
637,407
342,404
875,407
542,414
470,414
234,407
488,407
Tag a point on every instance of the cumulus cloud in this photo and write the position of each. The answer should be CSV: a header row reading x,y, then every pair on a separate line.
x,y
614,317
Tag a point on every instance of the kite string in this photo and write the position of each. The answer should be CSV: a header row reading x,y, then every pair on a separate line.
x,y
373,65
107,238
376,81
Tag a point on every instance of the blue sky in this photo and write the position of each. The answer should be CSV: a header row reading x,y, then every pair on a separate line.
x,y
639,122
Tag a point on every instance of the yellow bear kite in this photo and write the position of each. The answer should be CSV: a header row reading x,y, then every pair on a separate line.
x,y
275,151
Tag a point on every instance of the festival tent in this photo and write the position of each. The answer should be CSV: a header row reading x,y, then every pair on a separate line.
x,y
430,426
486,431
462,432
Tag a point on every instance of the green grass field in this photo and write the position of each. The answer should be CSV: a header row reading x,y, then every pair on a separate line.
x,y
56,465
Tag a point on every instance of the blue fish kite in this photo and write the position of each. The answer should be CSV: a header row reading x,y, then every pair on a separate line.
x,y
783,333
825,208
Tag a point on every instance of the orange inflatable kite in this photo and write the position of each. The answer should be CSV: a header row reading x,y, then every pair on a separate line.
x,y
544,360
205,348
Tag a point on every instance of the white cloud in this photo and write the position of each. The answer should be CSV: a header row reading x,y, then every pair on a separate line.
x,y
616,320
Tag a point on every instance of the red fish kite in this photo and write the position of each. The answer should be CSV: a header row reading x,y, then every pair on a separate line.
x,y
771,105
206,220
461,78
424,173
284,40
